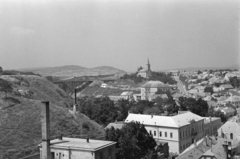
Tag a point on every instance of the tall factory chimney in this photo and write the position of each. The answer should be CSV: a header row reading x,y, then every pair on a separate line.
x,y
45,119
75,96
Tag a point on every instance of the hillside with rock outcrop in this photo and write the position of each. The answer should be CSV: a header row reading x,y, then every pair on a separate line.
x,y
20,109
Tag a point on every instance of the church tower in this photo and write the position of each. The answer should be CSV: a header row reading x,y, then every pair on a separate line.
x,y
148,71
148,66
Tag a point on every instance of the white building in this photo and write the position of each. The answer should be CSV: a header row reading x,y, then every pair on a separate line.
x,y
149,89
76,148
230,132
179,131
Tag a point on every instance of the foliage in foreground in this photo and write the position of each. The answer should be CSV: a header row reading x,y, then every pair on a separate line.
x,y
133,141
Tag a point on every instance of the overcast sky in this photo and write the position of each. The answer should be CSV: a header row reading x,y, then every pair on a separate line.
x,y
122,34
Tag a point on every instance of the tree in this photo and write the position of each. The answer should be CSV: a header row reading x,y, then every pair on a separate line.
x,y
235,82
163,77
199,72
102,110
199,106
5,86
133,141
208,90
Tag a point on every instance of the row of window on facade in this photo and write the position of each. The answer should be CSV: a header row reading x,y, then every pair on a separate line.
x,y
160,134
188,132
224,136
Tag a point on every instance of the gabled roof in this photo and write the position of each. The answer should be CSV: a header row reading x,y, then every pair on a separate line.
x,y
228,86
233,99
217,151
164,121
228,110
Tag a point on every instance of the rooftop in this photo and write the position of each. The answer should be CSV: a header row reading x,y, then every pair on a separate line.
x,y
80,144
155,84
165,121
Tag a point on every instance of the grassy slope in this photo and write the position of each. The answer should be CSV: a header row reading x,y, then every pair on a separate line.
x,y
20,127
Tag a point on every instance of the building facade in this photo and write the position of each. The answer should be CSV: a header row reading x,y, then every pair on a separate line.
x,y
76,148
179,131
151,88
230,132
211,125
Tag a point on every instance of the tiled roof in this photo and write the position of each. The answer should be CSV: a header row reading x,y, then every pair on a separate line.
x,y
233,99
165,121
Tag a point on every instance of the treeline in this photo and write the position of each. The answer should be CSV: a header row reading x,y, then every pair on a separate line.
x,y
104,111
156,76
163,77
134,77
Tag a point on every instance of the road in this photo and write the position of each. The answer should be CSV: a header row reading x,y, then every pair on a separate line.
x,y
181,86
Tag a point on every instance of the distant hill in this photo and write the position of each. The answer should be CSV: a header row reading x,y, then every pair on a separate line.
x,y
20,114
236,66
74,70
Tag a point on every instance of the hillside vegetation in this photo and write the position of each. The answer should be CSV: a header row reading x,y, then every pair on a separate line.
x,y
74,70
20,126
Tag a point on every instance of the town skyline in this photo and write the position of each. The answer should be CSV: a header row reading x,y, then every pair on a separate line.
x,y
122,34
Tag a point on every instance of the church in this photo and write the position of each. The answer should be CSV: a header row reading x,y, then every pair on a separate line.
x,y
145,73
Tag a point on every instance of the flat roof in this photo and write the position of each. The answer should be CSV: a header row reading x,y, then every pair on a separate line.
x,y
80,144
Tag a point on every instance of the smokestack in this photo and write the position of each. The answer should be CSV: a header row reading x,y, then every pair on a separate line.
x,y
75,96
45,119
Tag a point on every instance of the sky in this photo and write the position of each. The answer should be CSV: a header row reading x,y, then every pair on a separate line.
x,y
122,34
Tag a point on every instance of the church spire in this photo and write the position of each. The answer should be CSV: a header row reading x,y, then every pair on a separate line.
x,y
148,65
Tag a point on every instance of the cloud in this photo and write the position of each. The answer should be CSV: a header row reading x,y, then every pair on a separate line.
x,y
19,31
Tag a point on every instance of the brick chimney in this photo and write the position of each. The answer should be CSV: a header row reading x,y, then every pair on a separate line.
x,y
45,120
75,96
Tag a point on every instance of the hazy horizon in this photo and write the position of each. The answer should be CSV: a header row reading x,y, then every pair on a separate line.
x,y
122,34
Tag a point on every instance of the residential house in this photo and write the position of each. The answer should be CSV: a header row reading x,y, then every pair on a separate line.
x,y
196,150
234,100
230,132
76,148
180,131
217,151
226,86
211,104
228,111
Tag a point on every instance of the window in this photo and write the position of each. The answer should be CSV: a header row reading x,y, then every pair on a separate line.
x,y
231,136
180,148
165,134
186,133
183,134
171,135
180,135
160,134
154,133
150,132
